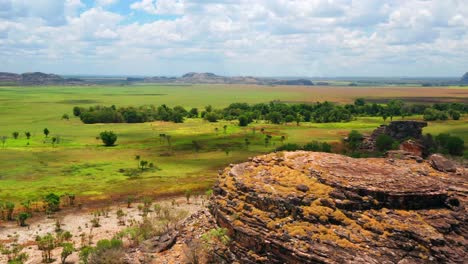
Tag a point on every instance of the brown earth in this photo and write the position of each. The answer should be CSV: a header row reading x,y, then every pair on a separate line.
x,y
306,207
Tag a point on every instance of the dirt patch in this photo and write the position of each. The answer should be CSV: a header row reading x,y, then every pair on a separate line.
x,y
79,223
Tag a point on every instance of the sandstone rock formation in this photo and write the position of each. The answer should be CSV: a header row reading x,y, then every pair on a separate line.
x,y
309,207
398,130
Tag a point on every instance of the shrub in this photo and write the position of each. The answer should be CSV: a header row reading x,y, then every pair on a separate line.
x,y
211,117
66,251
105,252
243,121
52,202
108,138
354,140
289,147
384,143
455,146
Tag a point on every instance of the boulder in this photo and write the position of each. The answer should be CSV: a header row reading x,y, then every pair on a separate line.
x,y
441,163
372,210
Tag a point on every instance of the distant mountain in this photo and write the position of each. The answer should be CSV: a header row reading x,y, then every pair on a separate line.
x,y
464,79
211,78
36,78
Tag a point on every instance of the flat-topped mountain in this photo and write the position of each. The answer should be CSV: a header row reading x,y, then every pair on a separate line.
x,y
310,207
36,78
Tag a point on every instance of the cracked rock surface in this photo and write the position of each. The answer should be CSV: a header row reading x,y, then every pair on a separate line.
x,y
310,207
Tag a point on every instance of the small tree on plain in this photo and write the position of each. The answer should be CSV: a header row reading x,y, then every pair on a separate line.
x,y
108,138
3,139
22,217
15,134
66,251
46,132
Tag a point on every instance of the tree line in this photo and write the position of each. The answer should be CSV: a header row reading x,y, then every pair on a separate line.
x,y
274,112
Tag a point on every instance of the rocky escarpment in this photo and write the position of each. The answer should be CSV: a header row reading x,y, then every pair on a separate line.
x,y
308,207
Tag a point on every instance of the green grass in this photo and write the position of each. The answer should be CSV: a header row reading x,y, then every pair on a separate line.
x,y
81,165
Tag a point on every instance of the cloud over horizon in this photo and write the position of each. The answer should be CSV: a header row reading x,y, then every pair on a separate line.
x,y
244,37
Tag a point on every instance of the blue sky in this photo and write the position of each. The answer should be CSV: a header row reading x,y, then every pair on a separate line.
x,y
236,37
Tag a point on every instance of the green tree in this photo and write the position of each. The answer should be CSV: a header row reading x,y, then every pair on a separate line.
x,y
394,108
384,143
66,117
455,146
289,119
27,134
46,244
22,217
10,207
67,250
359,102
46,132
211,117
76,111
108,138
3,139
52,202
354,140
15,135
455,115
243,121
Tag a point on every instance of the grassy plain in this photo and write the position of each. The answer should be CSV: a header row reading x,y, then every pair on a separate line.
x,y
81,165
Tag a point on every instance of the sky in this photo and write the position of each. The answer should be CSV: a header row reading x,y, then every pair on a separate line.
x,y
317,38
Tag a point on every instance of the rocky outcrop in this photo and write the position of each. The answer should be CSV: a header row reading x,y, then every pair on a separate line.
x,y
308,207
413,147
398,130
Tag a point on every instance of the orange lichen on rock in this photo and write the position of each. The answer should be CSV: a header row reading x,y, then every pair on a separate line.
x,y
309,207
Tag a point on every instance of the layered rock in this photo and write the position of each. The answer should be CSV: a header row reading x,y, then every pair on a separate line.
x,y
308,207
398,130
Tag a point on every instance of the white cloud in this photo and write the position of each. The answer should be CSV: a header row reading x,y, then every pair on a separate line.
x,y
172,7
106,2
261,37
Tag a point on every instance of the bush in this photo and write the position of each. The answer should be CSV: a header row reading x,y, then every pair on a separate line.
x,y
243,121
211,117
455,115
289,147
317,146
384,143
108,138
105,252
455,146
354,140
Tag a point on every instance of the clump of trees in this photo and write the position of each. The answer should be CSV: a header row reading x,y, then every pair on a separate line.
x,y
112,114
274,112
445,144
312,146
